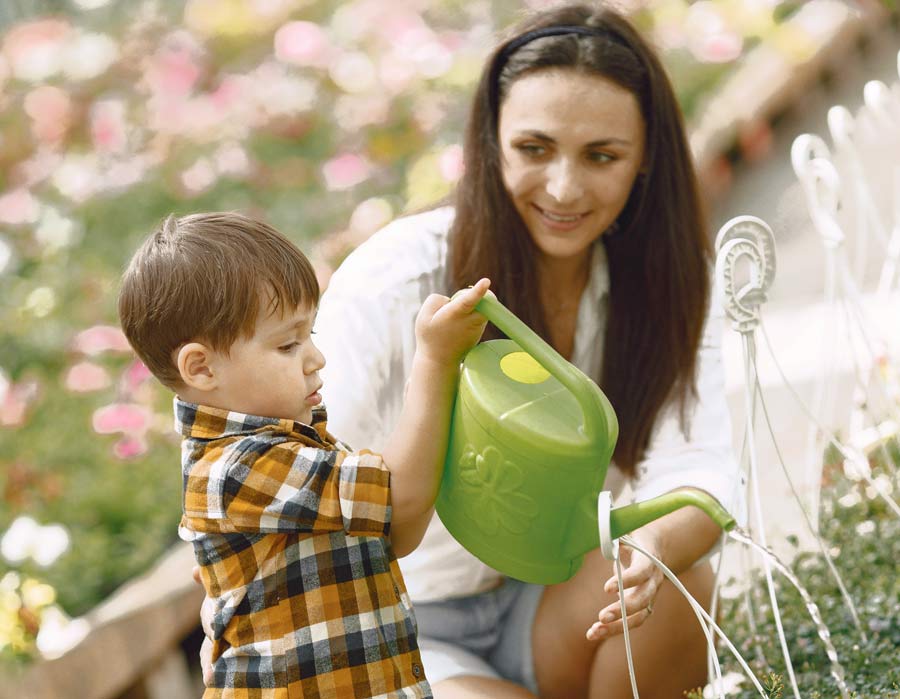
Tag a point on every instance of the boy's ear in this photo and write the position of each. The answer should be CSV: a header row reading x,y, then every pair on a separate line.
x,y
195,365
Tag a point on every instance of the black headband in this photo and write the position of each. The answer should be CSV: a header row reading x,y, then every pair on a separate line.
x,y
514,45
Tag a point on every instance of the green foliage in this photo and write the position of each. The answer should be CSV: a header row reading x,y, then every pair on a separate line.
x,y
864,539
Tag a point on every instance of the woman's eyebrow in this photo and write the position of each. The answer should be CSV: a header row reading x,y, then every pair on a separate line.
x,y
610,141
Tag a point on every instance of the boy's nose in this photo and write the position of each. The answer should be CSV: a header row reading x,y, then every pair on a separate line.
x,y
314,361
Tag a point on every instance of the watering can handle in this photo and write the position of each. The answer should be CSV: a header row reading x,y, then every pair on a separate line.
x,y
596,410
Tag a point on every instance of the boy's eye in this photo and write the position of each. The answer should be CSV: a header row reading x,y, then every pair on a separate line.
x,y
289,347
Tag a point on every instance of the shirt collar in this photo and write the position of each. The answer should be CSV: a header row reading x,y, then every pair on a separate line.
x,y
598,284
205,422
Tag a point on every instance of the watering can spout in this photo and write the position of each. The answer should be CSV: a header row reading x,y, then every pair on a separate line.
x,y
623,520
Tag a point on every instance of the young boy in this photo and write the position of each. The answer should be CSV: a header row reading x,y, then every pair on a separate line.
x,y
296,538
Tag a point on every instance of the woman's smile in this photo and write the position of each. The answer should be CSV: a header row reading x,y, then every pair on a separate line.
x,y
572,145
561,221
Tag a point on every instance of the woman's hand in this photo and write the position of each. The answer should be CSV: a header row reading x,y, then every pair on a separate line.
x,y
641,579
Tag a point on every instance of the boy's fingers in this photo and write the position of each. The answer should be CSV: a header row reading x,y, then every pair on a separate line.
x,y
469,298
433,304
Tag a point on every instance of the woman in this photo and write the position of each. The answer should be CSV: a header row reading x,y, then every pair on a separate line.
x,y
579,201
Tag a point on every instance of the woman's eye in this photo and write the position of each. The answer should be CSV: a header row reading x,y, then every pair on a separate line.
x,y
599,157
531,149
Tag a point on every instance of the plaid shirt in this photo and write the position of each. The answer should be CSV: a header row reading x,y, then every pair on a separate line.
x,y
290,531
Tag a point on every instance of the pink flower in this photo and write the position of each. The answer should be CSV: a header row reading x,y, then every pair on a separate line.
x,y
302,44
108,126
450,162
100,338
34,49
85,377
345,171
229,92
50,109
18,206
173,71
135,375
199,177
128,418
130,447
722,47
14,402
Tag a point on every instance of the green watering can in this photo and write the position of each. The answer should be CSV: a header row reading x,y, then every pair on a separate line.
x,y
530,442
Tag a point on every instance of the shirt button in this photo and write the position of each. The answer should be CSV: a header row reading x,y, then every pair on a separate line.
x,y
417,670
396,590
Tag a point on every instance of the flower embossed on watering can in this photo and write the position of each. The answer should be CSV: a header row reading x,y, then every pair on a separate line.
x,y
490,490
530,442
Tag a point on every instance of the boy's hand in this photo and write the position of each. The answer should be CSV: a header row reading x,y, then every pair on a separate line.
x,y
446,328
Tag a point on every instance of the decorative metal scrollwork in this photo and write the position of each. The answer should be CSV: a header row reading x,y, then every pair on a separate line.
x,y
821,185
750,238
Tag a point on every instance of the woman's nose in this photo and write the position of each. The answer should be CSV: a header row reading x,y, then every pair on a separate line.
x,y
563,182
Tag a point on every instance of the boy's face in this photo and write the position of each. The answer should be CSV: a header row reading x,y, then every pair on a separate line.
x,y
274,372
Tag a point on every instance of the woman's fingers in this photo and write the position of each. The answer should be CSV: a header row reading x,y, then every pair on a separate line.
x,y
599,630
636,573
640,599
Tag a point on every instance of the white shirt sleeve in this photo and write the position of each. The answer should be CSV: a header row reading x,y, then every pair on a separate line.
x,y
365,327
704,457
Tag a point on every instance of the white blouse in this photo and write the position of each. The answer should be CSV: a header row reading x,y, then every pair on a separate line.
x,y
365,329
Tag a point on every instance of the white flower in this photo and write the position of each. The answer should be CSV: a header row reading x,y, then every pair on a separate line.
x,y
25,539
58,633
89,55
850,499
40,302
54,231
864,528
354,72
731,681
6,255
77,177
371,215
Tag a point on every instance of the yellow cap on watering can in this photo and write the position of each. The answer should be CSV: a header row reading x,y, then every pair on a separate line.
x,y
530,442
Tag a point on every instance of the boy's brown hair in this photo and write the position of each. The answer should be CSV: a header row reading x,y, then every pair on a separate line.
x,y
203,278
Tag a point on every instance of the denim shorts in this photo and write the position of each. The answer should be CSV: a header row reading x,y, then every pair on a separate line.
x,y
488,634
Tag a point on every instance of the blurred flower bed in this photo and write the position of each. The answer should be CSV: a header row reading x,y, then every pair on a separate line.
x,y
863,535
327,118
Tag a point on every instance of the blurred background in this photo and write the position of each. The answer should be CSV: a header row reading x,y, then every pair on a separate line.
x,y
326,118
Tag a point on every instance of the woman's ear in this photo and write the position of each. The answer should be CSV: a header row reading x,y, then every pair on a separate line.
x,y
195,365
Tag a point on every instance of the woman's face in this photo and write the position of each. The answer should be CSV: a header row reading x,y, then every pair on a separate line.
x,y
571,146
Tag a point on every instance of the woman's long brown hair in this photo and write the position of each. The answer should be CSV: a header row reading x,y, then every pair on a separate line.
x,y
659,255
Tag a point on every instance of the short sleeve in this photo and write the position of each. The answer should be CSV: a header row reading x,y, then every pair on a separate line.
x,y
291,487
702,456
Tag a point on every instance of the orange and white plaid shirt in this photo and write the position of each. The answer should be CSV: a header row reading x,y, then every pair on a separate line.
x,y
290,531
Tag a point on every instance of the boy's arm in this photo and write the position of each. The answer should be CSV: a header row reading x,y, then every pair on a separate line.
x,y
416,451
289,487
417,448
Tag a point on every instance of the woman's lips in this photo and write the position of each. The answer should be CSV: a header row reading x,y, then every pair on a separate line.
x,y
559,221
